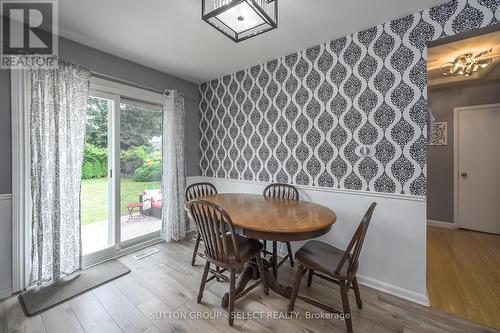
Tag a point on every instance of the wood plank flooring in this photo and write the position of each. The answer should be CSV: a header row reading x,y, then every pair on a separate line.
x,y
463,273
163,286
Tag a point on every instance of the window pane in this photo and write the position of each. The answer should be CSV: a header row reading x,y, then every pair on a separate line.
x,y
96,228
141,169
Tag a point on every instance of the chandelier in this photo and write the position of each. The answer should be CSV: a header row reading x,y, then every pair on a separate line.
x,y
466,64
241,19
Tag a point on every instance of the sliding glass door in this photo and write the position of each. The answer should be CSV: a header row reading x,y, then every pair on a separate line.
x,y
121,199
140,169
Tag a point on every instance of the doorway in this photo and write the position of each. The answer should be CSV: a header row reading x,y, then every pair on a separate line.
x,y
121,202
463,233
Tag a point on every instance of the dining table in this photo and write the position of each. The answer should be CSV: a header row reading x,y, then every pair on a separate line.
x,y
272,219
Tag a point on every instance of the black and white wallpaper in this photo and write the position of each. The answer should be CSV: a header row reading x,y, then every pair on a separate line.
x,y
303,118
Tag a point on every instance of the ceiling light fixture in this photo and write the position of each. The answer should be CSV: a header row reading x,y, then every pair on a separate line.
x,y
241,19
466,64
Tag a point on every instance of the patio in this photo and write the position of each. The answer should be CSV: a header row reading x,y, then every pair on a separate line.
x,y
95,235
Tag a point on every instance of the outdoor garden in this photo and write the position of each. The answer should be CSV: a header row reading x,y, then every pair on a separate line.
x,y
140,157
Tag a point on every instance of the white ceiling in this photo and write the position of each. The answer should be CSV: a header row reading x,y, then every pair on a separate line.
x,y
170,36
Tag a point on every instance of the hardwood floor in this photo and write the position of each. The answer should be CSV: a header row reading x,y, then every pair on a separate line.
x,y
463,273
165,282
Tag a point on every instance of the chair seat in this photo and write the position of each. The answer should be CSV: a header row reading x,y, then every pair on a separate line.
x,y
248,247
322,257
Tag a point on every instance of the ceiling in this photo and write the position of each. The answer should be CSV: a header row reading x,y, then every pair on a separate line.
x,y
170,36
438,55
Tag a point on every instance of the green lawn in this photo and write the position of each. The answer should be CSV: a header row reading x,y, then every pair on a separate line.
x,y
94,199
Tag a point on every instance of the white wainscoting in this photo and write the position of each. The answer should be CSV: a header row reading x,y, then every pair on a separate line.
x,y
5,245
394,253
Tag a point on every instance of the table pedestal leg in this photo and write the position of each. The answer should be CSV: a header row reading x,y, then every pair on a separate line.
x,y
250,272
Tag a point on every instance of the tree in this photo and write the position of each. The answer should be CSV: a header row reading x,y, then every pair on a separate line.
x,y
138,124
97,122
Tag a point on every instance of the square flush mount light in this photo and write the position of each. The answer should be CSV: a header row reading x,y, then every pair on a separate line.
x,y
241,19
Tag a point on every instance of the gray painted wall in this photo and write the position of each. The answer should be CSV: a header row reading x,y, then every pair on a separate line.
x,y
440,158
110,65
5,144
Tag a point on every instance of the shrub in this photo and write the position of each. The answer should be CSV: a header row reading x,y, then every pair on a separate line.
x,y
132,158
88,170
151,170
100,169
141,163
95,162
147,174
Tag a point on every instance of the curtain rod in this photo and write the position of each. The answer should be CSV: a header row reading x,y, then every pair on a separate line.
x,y
133,84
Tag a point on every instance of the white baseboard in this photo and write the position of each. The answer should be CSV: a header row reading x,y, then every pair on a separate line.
x,y
380,286
4,293
394,290
440,224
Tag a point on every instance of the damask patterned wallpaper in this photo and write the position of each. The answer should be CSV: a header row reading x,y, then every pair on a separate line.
x,y
303,118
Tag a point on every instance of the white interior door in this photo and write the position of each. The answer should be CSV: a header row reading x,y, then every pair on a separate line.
x,y
478,168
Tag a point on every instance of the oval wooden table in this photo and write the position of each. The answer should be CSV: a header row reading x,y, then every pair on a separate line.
x,y
274,220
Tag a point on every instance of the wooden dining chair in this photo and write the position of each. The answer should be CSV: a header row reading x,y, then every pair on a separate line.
x,y
282,191
195,191
225,248
334,265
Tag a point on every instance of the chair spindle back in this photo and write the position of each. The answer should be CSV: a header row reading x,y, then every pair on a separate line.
x,y
214,224
282,191
351,255
197,190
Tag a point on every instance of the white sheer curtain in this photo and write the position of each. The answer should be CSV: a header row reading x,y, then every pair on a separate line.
x,y
174,172
57,130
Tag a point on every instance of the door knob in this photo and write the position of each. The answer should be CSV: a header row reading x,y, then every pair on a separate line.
x,y
463,174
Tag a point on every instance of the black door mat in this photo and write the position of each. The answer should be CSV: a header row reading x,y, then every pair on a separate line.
x,y
39,299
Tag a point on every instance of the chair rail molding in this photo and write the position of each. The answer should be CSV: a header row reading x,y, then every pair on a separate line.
x,y
394,254
316,188
21,235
